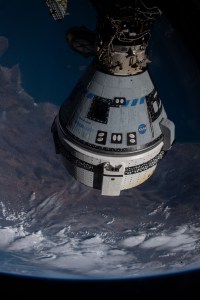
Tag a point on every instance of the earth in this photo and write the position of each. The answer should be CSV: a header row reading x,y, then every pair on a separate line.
x,y
51,226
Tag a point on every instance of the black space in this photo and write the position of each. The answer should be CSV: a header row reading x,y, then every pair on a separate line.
x,y
185,17
180,286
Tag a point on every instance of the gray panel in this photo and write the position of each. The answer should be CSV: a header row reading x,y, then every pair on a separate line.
x,y
168,130
84,176
112,179
111,186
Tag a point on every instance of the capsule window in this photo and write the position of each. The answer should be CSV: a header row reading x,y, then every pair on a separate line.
x,y
154,105
118,101
101,137
131,138
99,110
116,138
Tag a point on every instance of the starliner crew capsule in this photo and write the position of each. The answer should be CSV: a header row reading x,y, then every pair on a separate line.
x,y
113,129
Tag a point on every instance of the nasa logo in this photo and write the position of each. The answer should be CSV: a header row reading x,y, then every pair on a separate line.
x,y
142,128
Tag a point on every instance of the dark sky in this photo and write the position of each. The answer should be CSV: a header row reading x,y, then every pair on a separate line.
x,y
185,17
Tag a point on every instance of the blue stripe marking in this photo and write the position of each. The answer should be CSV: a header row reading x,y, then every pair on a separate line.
x,y
142,100
134,102
126,103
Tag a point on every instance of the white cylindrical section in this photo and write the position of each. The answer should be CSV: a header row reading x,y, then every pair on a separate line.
x,y
128,180
130,160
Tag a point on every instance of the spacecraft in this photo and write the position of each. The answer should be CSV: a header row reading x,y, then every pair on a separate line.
x,y
113,129
57,8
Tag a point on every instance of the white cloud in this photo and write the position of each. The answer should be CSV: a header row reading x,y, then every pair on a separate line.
x,y
28,242
134,240
183,239
7,235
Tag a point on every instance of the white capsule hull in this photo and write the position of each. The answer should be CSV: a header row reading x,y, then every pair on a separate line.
x,y
112,131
